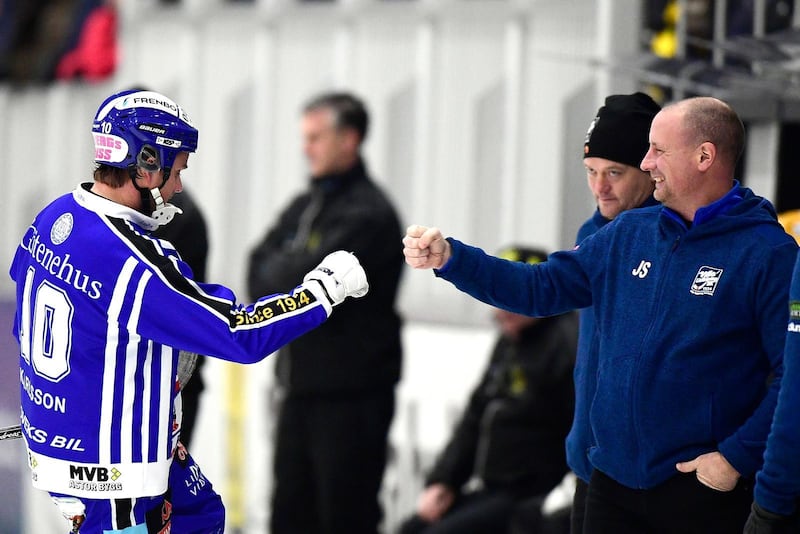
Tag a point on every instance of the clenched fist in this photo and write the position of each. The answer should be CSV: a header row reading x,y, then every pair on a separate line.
x,y
425,248
341,276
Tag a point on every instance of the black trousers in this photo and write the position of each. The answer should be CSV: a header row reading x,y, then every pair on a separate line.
x,y
494,510
528,519
329,460
480,512
578,511
681,505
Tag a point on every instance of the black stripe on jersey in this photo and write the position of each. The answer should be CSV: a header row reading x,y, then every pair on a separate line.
x,y
122,509
264,311
165,266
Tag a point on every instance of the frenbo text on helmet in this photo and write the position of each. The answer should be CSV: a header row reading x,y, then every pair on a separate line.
x,y
151,101
157,101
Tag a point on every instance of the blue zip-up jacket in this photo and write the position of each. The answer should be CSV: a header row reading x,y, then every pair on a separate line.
x,y
691,323
778,483
580,437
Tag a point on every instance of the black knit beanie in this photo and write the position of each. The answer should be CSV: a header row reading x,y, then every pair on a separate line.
x,y
620,131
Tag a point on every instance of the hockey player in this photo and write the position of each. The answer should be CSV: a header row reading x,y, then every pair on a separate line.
x,y
103,309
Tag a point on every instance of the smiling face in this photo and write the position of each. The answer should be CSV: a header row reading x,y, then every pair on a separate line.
x,y
671,161
616,187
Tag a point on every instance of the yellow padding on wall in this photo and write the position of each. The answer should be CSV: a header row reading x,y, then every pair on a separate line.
x,y
235,470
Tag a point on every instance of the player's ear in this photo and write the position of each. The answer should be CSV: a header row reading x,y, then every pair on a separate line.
x,y
706,154
352,139
147,179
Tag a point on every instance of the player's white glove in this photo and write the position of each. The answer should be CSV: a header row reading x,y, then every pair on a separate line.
x,y
340,275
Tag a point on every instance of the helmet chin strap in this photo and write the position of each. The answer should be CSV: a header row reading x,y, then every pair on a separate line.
x,y
153,202
164,211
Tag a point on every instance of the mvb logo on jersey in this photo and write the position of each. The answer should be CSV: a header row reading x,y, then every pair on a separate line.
x,y
93,474
94,478
706,281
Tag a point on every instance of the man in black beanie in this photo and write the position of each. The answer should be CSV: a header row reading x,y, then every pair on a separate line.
x,y
616,142
612,151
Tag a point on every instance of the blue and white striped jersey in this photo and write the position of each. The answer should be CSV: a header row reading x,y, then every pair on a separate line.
x,y
102,310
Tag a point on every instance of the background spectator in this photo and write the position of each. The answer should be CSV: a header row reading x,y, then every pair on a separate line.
x,y
510,439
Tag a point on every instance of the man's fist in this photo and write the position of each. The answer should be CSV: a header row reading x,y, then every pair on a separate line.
x,y
425,248
341,276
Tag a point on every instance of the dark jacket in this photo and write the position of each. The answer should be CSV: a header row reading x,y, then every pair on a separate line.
x,y
358,348
188,232
512,432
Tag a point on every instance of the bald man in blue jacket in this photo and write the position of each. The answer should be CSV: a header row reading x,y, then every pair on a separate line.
x,y
690,306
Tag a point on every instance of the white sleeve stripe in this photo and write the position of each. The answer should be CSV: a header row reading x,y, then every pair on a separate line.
x,y
125,424
147,367
129,382
110,365
165,403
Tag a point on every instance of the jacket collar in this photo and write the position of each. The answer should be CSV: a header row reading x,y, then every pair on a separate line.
x,y
713,210
601,221
330,183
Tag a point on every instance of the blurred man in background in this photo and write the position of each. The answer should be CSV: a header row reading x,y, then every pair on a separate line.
x,y
510,439
338,384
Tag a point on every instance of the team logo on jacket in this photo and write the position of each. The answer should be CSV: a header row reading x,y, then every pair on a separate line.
x,y
706,281
642,269
61,229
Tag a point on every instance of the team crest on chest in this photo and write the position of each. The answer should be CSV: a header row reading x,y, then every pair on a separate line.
x,y
61,229
706,281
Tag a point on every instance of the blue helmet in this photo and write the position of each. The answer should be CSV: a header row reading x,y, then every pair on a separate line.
x,y
141,128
